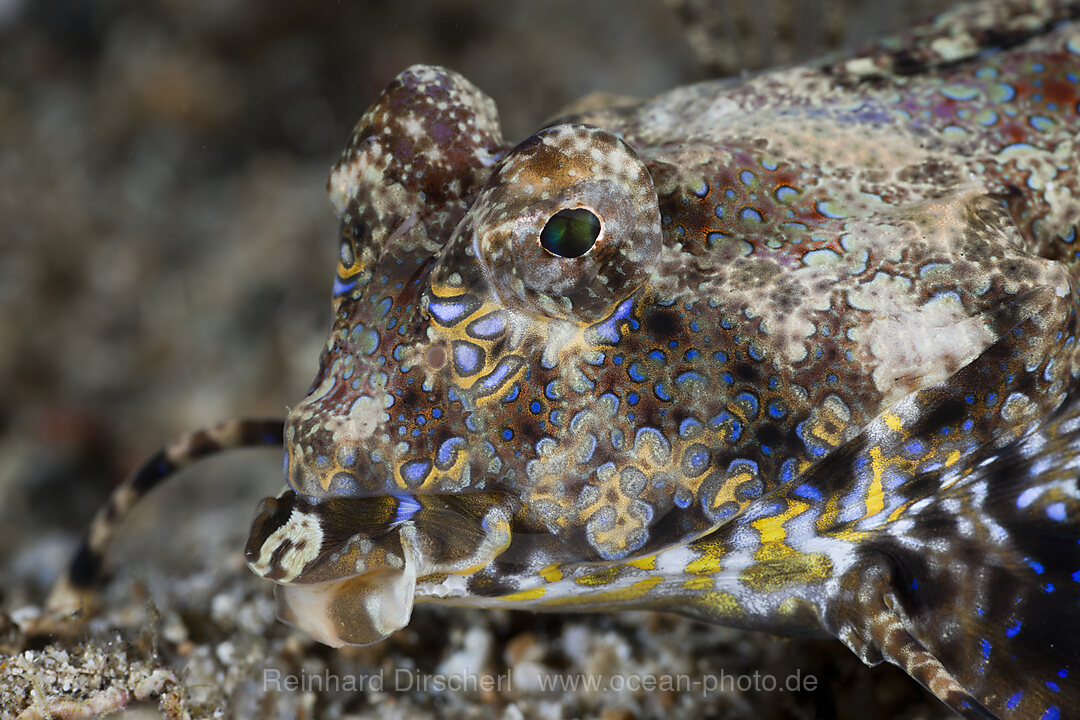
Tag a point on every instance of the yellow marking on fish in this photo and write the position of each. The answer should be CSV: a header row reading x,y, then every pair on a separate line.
x,y
772,528
721,603
626,594
601,577
699,583
875,496
727,493
436,477
898,512
712,551
525,595
552,573
832,438
781,566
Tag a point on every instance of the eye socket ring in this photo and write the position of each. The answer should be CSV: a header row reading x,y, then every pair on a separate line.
x,y
568,223
571,232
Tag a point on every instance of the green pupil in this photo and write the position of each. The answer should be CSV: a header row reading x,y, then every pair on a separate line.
x,y
570,233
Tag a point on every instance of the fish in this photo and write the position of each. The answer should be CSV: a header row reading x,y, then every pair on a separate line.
x,y
793,353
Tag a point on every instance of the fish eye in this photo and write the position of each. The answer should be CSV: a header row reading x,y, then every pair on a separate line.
x,y
570,233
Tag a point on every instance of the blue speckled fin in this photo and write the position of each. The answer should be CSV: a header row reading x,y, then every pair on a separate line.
x,y
959,509
992,628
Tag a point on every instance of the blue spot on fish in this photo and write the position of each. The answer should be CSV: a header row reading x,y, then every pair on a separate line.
x,y
785,193
749,213
341,287
407,507
447,312
466,357
809,492
1041,123
416,470
488,326
608,330
448,451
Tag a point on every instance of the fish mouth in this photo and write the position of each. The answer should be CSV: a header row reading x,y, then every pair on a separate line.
x,y
347,568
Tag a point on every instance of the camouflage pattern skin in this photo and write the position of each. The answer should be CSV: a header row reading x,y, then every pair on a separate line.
x,y
816,375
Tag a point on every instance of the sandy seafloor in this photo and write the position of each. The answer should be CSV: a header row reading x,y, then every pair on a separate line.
x,y
166,251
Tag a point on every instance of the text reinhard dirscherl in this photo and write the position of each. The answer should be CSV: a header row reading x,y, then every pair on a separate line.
x,y
412,680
